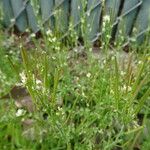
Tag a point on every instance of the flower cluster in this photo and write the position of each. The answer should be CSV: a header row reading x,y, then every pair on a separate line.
x,y
54,43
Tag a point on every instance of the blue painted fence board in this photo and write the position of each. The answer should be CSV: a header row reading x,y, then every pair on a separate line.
x,y
76,13
21,20
129,13
8,12
93,18
143,20
112,8
31,18
62,15
47,7
129,18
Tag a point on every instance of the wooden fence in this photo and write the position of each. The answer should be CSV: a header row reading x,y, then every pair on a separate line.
x,y
129,18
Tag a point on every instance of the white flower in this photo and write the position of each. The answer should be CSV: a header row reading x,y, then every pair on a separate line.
x,y
54,39
88,75
106,18
33,35
54,58
23,77
124,88
134,29
48,32
108,36
20,46
88,13
20,112
122,73
38,81
12,20
27,30
38,84
82,20
90,49
140,62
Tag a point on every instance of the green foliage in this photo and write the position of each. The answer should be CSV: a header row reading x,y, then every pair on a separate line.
x,y
8,65
80,101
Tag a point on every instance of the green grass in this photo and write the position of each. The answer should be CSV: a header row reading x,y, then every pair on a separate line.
x,y
81,102
9,64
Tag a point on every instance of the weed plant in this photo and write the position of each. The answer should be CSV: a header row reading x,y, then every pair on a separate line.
x,y
81,102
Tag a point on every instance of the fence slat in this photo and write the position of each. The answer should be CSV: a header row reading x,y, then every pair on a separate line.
x,y
93,18
129,13
62,15
76,13
143,20
21,21
47,7
8,12
31,18
112,8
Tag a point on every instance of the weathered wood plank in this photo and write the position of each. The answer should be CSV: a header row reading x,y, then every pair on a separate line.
x,y
21,21
31,18
129,14
47,7
94,9
7,12
112,8
62,15
76,13
143,20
